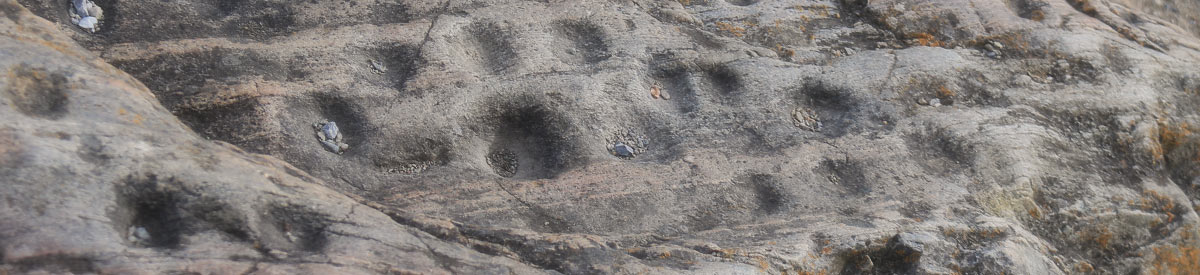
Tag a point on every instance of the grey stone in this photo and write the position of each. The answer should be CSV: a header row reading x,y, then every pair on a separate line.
x,y
487,145
330,130
622,150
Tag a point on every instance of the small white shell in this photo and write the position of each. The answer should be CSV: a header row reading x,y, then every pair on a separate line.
x,y
88,22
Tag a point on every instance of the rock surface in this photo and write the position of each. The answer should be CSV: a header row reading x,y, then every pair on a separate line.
x,y
794,139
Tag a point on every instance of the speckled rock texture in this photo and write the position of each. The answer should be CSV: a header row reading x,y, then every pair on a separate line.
x,y
601,137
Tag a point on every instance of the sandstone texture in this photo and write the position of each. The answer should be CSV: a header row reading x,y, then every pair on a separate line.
x,y
601,137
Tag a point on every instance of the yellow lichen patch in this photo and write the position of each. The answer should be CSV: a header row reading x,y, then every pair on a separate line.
x,y
944,93
925,39
1170,136
727,253
731,29
1101,237
1183,259
1037,15
1013,42
1084,267
1085,6
784,52
823,11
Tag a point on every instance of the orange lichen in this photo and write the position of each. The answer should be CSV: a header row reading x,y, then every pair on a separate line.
x,y
944,93
1103,238
1037,15
733,30
727,253
806,272
1183,259
762,263
925,39
1169,137
1084,267
1157,201
784,52
1086,6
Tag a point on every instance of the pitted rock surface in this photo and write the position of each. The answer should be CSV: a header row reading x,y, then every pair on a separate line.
x,y
798,137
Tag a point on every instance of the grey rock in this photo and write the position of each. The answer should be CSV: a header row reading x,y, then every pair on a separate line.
x,y
330,137
330,130
86,14
378,67
623,150
490,138
332,146
151,196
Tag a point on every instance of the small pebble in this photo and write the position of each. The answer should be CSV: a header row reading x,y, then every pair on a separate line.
x,y
88,22
622,150
279,254
331,130
138,234
935,102
333,147
379,68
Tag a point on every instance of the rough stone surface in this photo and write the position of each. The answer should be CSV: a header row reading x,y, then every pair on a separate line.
x,y
794,140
